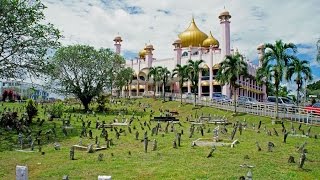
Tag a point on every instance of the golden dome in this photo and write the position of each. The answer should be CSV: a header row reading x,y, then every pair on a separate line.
x,y
142,53
210,41
192,36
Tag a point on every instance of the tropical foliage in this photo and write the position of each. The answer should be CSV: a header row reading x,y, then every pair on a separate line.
x,y
154,73
182,73
231,69
193,75
164,75
302,72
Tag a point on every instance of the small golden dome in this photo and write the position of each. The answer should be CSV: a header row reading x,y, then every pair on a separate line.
x,y
210,41
225,13
192,36
117,39
142,53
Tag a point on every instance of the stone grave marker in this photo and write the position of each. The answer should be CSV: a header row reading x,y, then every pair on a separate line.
x,y
302,160
154,145
258,146
211,152
21,172
291,159
72,153
270,146
104,177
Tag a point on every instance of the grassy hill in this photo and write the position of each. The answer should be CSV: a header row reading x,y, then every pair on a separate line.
x,y
185,162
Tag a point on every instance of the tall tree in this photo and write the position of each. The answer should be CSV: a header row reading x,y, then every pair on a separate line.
x,y
182,73
264,76
154,73
284,91
164,75
300,69
278,56
193,73
232,67
24,39
82,71
318,48
123,78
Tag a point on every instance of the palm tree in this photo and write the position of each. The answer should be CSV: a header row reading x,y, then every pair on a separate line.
x,y
231,68
301,69
193,73
154,73
164,75
278,57
182,73
264,76
284,91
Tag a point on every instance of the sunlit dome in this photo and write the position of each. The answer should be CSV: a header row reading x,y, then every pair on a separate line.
x,y
142,53
210,41
192,36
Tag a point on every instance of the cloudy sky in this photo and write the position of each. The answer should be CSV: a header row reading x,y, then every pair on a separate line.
x,y
97,22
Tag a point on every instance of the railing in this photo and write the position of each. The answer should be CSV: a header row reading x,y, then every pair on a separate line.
x,y
295,114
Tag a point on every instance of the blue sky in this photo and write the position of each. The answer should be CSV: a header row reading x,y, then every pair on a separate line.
x,y
97,22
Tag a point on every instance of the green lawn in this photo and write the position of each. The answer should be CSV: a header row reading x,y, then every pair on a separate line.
x,y
185,162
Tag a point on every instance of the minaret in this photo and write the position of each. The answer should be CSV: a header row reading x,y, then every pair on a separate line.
x,y
177,51
261,49
149,58
117,43
225,25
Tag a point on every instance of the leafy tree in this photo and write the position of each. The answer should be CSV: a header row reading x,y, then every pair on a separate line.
x,y
284,91
318,48
24,39
123,78
4,95
56,110
182,73
300,69
264,76
164,75
232,67
32,110
314,86
102,99
193,75
82,71
10,95
278,56
155,74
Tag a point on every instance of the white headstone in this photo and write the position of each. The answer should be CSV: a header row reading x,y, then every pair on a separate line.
x,y
104,177
21,173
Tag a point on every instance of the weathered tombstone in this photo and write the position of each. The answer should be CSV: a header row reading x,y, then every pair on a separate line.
x,y
201,130
145,142
129,129
234,143
174,144
275,132
64,130
178,137
216,134
65,177
56,146
302,160
90,148
308,131
291,159
96,140
137,135
258,146
285,137
104,177
301,148
181,131
269,133
249,175
211,152
233,132
80,142
154,145
259,125
100,157
270,146
302,131
299,126
90,134
72,153
21,173
20,140
240,128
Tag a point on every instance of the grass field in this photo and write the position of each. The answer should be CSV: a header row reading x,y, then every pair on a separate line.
x,y
185,162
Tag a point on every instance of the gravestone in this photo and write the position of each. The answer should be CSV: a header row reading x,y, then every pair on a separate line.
x,y
72,153
216,134
301,148
302,160
258,146
20,140
21,173
90,134
259,125
154,145
308,131
100,157
240,128
56,146
249,175
233,132
211,152
137,135
174,144
65,177
178,137
145,142
270,146
104,177
90,148
285,137
291,159
275,132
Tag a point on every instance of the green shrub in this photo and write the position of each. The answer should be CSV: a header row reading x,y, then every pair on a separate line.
x,y
56,110
32,110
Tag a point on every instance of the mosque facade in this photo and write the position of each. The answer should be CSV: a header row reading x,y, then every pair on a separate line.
x,y
194,44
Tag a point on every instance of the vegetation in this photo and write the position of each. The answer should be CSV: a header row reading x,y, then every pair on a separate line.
x,y
182,73
154,73
32,110
164,75
318,48
278,56
231,68
83,71
123,79
56,110
302,71
193,72
166,162
24,39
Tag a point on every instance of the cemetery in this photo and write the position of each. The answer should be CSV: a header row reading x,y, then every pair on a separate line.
x,y
129,143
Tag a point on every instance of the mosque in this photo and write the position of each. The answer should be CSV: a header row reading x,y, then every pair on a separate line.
x,y
194,44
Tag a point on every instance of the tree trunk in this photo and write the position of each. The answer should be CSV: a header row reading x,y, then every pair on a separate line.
x,y
235,100
181,93
85,103
195,95
277,102
164,93
298,98
154,90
